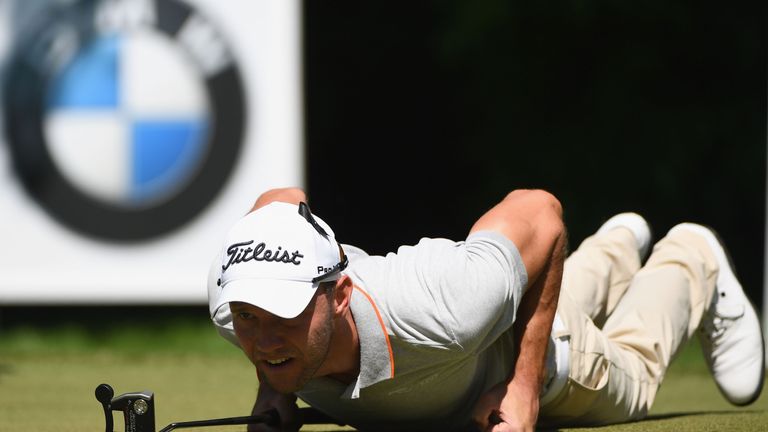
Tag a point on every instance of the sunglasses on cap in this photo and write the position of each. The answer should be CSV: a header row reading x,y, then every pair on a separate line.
x,y
306,213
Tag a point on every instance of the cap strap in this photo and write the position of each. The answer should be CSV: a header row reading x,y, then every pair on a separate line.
x,y
338,268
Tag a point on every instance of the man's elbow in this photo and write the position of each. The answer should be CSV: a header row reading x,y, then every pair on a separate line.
x,y
542,200
551,218
547,211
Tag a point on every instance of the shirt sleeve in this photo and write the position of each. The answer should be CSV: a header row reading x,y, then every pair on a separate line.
x,y
458,295
481,288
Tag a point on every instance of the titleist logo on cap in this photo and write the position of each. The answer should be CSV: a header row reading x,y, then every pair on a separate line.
x,y
239,253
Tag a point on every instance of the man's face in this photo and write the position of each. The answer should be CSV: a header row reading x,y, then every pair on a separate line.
x,y
287,352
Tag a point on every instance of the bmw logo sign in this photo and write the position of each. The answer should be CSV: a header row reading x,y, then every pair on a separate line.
x,y
124,117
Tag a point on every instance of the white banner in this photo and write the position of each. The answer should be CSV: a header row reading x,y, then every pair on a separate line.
x,y
135,133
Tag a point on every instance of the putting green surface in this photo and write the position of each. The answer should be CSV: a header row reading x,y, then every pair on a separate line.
x,y
48,377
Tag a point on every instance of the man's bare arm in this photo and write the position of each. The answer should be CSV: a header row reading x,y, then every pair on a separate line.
x,y
292,195
533,221
532,329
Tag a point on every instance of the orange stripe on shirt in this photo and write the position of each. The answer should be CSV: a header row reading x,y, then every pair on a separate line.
x,y
383,329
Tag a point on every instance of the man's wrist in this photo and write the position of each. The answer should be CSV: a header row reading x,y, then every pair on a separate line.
x,y
525,388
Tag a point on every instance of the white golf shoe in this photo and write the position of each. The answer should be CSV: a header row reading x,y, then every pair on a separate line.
x,y
635,223
730,332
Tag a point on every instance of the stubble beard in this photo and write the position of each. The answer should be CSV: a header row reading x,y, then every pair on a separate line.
x,y
318,347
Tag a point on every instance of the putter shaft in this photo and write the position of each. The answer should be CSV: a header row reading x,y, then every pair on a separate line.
x,y
308,415
269,417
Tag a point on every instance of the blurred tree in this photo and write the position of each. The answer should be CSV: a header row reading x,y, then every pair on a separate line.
x,y
421,115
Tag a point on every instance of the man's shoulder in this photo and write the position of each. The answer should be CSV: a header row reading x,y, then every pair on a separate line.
x,y
353,252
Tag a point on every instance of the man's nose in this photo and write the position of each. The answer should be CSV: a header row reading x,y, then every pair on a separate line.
x,y
268,338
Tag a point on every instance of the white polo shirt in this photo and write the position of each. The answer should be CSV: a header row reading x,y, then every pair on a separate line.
x,y
434,322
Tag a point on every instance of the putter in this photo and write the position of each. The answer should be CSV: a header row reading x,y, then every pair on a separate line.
x,y
139,413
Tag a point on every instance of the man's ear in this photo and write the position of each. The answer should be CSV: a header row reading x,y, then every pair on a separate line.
x,y
342,294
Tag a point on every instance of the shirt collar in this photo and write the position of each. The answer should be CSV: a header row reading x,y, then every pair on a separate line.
x,y
376,358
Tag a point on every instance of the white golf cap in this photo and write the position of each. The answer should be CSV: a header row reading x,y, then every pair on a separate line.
x,y
275,258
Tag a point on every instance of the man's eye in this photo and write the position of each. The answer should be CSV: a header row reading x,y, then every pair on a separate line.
x,y
244,315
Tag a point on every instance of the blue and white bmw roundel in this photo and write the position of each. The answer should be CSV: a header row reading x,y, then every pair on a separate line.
x,y
124,119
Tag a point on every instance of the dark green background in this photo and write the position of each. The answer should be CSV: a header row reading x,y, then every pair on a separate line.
x,y
421,115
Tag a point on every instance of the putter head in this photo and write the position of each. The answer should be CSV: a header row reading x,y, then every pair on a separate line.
x,y
138,408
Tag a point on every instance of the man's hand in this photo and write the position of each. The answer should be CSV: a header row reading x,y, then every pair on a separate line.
x,y
284,404
506,408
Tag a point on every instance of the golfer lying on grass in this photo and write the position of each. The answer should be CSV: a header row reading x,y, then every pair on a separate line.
x,y
498,331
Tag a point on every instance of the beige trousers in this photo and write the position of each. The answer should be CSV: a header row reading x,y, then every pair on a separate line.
x,y
627,323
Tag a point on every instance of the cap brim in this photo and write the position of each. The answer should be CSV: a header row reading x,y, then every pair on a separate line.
x,y
286,299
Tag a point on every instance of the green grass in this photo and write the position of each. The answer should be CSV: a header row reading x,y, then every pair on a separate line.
x,y
48,375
